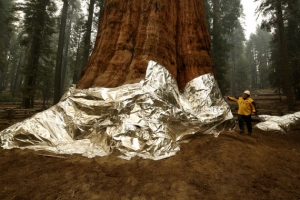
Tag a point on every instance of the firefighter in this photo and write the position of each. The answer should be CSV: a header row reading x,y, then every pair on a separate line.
x,y
246,108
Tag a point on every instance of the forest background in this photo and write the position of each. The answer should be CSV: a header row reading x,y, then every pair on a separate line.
x,y
45,44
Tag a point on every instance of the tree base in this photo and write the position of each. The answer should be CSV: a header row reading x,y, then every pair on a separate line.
x,y
145,119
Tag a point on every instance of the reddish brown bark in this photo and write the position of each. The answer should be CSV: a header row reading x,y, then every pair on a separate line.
x,y
131,33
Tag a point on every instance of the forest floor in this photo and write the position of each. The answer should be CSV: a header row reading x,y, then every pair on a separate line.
x,y
265,165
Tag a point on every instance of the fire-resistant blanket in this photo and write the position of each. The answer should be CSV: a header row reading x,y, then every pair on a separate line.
x,y
147,119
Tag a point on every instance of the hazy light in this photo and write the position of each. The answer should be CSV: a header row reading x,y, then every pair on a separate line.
x,y
250,17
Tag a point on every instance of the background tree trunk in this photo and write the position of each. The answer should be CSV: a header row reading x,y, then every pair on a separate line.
x,y
87,36
29,89
60,50
285,60
66,51
17,80
131,33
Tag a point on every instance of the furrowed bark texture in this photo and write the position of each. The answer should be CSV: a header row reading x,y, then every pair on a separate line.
x,y
131,33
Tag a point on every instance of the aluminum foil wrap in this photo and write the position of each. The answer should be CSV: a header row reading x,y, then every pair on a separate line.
x,y
278,124
147,119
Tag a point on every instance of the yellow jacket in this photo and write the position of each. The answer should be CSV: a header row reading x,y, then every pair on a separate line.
x,y
246,106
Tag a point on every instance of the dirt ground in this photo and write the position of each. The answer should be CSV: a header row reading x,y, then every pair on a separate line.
x,y
265,165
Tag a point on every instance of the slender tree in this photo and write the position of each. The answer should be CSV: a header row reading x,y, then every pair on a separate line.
x,y
251,57
38,29
6,16
293,41
220,47
77,48
59,58
34,54
66,50
262,40
275,75
285,59
88,32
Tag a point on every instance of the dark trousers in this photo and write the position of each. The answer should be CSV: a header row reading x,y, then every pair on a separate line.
x,y
242,119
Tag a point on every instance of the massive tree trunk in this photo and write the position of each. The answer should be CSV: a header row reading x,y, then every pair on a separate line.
x,y
131,33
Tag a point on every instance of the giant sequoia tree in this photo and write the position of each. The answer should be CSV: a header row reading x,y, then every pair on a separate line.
x,y
131,33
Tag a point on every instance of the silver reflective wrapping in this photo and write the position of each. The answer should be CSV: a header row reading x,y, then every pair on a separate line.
x,y
278,124
146,119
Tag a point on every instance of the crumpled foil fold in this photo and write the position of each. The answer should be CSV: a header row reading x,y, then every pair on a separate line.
x,y
280,124
148,119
